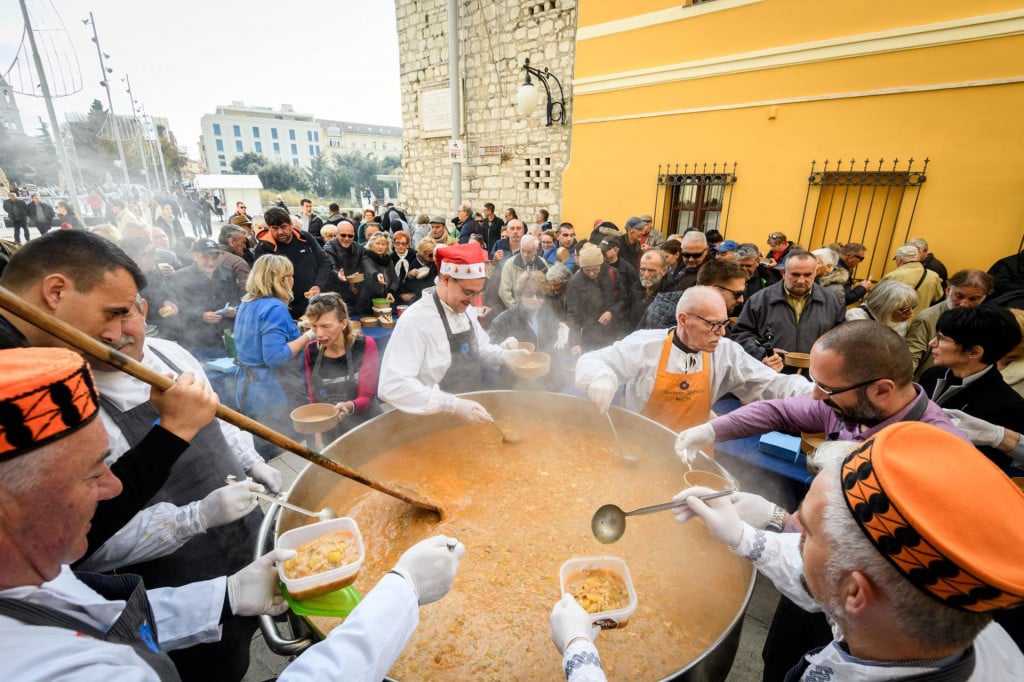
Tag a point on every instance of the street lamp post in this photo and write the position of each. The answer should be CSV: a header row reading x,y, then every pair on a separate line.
x,y
110,100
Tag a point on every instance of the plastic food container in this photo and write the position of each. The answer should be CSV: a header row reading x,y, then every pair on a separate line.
x,y
532,366
328,581
368,321
381,303
607,620
314,418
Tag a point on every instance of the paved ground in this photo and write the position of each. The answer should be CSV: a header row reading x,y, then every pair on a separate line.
x,y
747,667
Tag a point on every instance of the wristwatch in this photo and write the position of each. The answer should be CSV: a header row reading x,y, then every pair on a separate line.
x,y
777,521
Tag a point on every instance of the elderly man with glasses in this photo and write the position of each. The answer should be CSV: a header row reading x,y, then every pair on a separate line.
x,y
674,376
694,254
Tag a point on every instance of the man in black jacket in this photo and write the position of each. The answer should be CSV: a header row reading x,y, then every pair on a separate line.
x,y
491,226
283,237
310,221
40,214
17,215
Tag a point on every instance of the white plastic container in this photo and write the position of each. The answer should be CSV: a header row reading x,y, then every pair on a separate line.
x,y
328,581
607,620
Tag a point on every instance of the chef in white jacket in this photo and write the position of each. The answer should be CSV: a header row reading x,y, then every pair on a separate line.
x,y
438,347
674,376
56,624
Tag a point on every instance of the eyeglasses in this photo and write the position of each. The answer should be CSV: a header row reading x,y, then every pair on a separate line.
x,y
837,391
856,258
346,236
736,294
468,293
714,326
691,256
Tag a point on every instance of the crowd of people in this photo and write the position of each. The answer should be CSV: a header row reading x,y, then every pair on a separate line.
x,y
919,364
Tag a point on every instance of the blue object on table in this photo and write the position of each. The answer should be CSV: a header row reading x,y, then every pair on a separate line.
x,y
219,365
745,449
780,445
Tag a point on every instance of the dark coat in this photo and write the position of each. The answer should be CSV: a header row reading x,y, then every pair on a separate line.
x,y
1008,273
196,294
988,397
46,223
468,228
492,231
17,211
312,268
587,299
769,308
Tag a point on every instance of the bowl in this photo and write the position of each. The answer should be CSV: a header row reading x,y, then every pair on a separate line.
x,y
532,365
706,479
381,303
610,619
526,345
387,324
325,581
809,442
314,418
801,360
368,321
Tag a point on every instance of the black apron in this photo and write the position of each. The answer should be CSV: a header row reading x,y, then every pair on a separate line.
x,y
465,373
336,389
135,627
200,470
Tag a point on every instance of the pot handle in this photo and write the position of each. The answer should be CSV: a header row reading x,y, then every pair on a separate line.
x,y
303,635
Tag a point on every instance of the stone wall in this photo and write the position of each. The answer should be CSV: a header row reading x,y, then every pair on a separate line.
x,y
509,160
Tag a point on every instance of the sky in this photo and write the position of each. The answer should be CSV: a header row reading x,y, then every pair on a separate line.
x,y
335,59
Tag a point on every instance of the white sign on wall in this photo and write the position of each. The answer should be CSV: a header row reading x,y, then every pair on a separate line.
x,y
436,112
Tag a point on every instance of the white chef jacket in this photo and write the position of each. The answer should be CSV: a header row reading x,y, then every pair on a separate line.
x,y
362,649
417,356
635,359
185,616
777,556
162,528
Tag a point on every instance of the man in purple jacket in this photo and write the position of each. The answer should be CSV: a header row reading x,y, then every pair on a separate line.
x,y
863,381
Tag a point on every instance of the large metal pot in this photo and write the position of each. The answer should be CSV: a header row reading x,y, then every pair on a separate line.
x,y
651,441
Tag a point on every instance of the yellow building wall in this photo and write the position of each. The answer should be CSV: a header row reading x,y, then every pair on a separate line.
x,y
970,209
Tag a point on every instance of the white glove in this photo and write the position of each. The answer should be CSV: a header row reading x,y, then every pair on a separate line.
x,y
601,391
979,431
753,509
472,411
508,356
228,503
511,343
430,566
253,590
719,515
563,336
267,475
569,621
690,441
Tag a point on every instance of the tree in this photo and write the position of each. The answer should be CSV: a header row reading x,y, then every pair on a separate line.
x,y
320,175
249,163
282,176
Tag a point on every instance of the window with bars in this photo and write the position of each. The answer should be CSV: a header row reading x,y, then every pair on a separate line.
x,y
696,195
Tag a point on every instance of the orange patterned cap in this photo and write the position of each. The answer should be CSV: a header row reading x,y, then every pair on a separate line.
x,y
944,515
45,394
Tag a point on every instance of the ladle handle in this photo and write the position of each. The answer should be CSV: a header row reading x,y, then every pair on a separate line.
x,y
286,505
670,505
73,337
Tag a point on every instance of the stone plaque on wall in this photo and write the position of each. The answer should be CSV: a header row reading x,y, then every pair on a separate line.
x,y
436,112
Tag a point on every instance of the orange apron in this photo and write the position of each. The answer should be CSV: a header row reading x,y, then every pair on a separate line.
x,y
679,401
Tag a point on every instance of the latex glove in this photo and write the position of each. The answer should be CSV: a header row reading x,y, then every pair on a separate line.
x,y
719,515
511,343
569,621
508,357
563,336
601,391
472,411
253,591
979,431
228,503
267,475
690,441
430,566
753,509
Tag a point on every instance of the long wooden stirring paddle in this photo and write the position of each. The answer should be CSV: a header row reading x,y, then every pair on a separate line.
x,y
61,330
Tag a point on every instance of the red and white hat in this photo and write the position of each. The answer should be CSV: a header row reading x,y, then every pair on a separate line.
x,y
465,261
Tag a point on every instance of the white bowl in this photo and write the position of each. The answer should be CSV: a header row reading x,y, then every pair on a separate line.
x,y
607,620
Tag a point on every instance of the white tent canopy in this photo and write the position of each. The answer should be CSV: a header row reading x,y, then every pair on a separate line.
x,y
232,189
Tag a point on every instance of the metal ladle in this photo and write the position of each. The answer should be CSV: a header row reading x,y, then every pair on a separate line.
x,y
324,514
609,522
623,455
509,438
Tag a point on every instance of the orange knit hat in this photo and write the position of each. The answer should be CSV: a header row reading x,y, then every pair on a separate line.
x,y
45,394
944,515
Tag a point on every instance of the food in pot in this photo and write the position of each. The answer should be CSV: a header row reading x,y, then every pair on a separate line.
x,y
522,511
598,590
326,553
